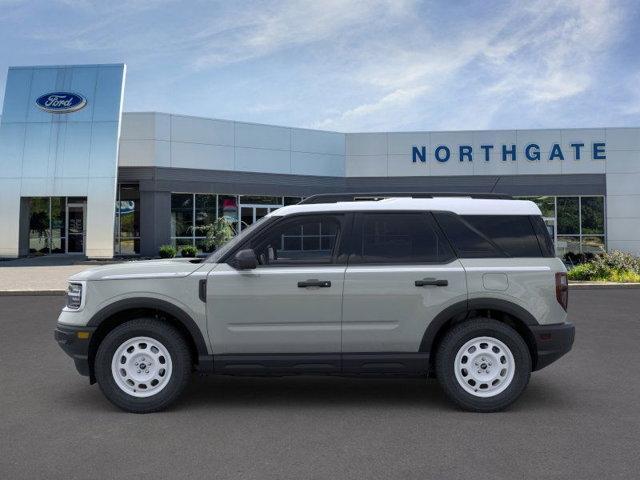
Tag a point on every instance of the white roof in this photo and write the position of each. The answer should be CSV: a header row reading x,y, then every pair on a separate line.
x,y
459,205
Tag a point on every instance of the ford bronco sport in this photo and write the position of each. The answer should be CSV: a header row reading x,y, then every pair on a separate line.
x,y
463,288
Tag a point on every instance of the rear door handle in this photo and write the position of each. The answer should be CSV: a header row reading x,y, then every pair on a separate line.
x,y
314,283
425,282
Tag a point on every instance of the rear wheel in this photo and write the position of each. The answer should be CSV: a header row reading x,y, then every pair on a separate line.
x,y
143,365
483,365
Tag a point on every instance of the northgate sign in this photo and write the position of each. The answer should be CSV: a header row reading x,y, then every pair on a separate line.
x,y
531,152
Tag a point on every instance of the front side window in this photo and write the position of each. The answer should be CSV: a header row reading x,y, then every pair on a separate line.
x,y
399,238
304,240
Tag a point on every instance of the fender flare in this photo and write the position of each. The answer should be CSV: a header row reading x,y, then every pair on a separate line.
x,y
462,309
156,304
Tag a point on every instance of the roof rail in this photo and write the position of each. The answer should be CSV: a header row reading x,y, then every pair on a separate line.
x,y
360,196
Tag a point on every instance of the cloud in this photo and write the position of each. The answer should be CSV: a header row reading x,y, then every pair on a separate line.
x,y
538,53
348,65
255,33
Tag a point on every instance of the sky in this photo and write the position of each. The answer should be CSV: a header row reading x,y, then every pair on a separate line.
x,y
349,65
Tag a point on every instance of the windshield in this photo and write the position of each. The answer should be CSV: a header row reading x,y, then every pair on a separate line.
x,y
235,241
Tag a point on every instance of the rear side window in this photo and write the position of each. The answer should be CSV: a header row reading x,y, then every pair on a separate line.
x,y
399,238
513,234
476,236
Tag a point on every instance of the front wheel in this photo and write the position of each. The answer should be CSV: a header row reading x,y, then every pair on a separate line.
x,y
483,365
143,365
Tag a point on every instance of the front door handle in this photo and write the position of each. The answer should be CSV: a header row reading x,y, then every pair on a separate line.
x,y
425,282
314,283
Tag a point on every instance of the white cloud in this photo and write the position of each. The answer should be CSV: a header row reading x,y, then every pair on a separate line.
x,y
347,64
258,32
538,53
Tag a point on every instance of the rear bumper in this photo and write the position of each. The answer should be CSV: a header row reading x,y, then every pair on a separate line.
x,y
552,342
74,345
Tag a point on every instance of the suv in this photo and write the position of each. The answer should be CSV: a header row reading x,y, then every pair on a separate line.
x,y
463,288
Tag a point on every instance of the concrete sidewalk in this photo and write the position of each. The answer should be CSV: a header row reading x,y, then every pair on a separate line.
x,y
41,275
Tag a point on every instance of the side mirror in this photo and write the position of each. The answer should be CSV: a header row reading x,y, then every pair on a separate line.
x,y
245,260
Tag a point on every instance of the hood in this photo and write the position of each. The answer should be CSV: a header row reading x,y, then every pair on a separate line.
x,y
167,268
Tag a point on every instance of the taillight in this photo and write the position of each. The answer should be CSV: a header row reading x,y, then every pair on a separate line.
x,y
562,289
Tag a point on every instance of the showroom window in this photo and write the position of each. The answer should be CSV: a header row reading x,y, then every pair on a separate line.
x,y
577,224
192,210
127,220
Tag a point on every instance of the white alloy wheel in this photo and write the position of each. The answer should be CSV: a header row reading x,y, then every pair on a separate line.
x,y
141,367
484,367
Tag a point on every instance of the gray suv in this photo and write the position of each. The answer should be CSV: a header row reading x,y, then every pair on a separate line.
x,y
463,288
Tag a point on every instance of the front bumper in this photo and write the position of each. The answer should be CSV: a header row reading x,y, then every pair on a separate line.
x,y
552,342
75,342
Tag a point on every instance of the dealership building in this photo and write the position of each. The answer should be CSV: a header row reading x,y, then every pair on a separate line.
x,y
80,176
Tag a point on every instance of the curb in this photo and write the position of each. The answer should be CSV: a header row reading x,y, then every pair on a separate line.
x,y
23,293
601,286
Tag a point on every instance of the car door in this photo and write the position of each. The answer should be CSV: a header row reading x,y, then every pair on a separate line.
x,y
401,274
291,303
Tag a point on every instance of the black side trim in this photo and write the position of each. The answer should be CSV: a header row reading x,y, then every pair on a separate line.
x,y
155,304
402,363
76,348
371,364
202,290
552,342
277,364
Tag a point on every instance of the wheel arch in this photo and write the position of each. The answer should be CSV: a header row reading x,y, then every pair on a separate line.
x,y
121,311
504,311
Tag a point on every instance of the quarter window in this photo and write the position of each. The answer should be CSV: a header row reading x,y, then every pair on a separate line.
x,y
400,238
513,234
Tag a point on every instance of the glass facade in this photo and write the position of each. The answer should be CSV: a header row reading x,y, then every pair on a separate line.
x,y
127,220
577,224
57,225
192,210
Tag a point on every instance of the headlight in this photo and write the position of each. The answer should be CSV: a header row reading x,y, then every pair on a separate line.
x,y
74,296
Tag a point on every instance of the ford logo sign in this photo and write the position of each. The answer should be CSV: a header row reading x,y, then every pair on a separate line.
x,y
61,102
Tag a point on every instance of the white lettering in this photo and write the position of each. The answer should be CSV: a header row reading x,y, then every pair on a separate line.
x,y
58,101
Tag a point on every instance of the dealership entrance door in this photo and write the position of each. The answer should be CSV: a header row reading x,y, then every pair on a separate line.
x,y
56,225
76,232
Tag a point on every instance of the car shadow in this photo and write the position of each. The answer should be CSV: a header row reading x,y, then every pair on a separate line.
x,y
311,391
221,392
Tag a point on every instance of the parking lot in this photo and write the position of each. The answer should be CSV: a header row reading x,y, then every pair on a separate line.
x,y
579,418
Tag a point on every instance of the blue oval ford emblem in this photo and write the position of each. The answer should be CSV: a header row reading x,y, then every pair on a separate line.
x,y
61,102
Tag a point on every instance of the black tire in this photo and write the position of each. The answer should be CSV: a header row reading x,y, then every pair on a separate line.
x,y
455,339
177,348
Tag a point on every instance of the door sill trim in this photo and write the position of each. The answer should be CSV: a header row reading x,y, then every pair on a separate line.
x,y
347,364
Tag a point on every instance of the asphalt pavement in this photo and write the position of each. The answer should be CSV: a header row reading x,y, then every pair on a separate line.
x,y
579,418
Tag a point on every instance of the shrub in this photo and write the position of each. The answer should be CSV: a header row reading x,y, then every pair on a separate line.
x,y
167,251
581,272
188,251
217,233
614,266
617,260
